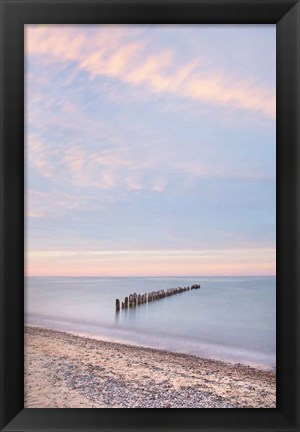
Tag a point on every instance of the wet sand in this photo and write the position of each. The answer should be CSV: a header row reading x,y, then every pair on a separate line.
x,y
67,371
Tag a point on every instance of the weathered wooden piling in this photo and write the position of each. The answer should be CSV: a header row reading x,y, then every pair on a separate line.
x,y
137,299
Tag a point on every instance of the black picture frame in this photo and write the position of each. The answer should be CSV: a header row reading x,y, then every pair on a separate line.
x,y
14,15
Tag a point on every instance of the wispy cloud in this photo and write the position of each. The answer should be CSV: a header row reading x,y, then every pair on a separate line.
x,y
127,169
111,53
55,203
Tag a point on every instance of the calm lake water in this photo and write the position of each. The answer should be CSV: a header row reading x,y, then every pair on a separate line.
x,y
229,318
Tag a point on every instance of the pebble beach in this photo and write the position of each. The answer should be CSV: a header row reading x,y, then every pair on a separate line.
x,y
63,370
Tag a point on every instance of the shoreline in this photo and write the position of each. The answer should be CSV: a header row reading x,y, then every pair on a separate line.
x,y
69,371
255,364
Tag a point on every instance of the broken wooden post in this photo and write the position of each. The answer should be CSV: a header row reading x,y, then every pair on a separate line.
x,y
117,305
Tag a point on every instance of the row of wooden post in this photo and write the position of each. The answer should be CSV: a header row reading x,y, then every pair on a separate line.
x,y
135,299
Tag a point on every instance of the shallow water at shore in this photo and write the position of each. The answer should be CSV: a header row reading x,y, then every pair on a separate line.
x,y
230,319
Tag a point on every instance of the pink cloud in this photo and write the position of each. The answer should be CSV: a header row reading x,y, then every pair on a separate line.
x,y
34,214
109,52
39,156
64,45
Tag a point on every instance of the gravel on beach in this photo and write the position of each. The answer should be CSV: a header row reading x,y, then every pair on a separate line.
x,y
67,371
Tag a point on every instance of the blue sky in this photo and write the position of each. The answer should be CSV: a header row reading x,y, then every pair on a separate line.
x,y
150,150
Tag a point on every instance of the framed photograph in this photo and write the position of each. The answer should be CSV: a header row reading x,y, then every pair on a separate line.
x,y
150,215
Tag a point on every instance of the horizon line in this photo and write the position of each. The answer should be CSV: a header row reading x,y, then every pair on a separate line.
x,y
153,276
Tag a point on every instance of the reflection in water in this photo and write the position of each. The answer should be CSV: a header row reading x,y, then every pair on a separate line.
x,y
117,316
133,314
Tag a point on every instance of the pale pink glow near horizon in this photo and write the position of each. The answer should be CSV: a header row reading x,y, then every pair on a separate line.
x,y
141,263
150,150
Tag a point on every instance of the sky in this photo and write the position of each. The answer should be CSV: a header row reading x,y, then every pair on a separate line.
x,y
150,150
